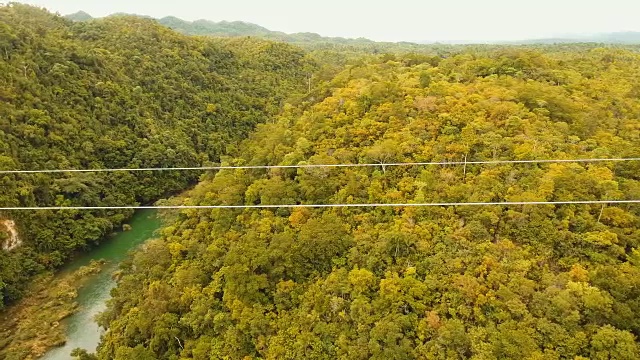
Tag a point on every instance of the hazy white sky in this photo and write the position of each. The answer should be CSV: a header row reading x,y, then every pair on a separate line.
x,y
397,20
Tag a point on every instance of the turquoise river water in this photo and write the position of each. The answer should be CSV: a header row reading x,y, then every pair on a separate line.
x,y
82,331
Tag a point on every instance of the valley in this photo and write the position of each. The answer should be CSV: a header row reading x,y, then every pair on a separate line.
x,y
544,277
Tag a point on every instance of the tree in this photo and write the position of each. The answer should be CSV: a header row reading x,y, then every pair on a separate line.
x,y
384,152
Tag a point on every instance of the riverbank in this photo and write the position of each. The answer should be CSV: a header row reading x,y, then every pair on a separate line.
x,y
34,325
57,315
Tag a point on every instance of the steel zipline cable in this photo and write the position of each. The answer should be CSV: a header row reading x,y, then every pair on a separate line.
x,y
306,166
303,166
178,207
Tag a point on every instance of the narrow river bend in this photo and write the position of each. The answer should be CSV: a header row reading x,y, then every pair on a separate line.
x,y
82,331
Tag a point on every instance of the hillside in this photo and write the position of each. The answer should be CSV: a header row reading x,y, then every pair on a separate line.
x,y
309,41
233,28
239,28
116,93
493,282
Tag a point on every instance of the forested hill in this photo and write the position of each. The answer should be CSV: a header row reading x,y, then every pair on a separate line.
x,y
116,93
235,28
306,40
493,282
239,28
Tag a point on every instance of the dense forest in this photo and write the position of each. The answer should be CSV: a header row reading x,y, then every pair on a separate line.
x,y
519,282
456,282
117,93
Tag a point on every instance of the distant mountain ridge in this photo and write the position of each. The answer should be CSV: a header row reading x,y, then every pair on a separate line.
x,y
623,37
240,28
79,16
233,29
223,28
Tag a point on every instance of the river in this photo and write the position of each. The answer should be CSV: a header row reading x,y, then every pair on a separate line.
x,y
82,331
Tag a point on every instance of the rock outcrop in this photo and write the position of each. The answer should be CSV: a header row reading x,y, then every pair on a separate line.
x,y
12,240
